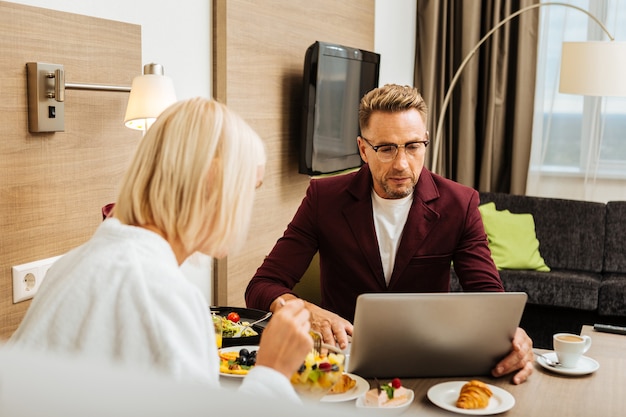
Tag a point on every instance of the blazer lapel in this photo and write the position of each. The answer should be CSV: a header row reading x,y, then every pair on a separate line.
x,y
359,216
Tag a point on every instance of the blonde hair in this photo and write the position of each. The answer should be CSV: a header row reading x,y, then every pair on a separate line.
x,y
391,98
193,177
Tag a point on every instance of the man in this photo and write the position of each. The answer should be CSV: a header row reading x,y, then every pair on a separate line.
x,y
392,226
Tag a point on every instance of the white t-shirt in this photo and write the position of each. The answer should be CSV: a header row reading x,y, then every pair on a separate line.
x,y
122,297
389,218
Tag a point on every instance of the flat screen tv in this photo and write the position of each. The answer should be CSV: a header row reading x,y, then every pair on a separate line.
x,y
335,79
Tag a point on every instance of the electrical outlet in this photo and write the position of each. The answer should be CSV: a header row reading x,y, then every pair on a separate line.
x,y
28,277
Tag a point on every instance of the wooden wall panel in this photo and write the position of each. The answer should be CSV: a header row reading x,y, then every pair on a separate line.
x,y
52,185
258,60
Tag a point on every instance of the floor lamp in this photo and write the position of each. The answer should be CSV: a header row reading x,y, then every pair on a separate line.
x,y
588,68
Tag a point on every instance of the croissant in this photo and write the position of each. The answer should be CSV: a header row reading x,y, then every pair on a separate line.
x,y
474,394
343,385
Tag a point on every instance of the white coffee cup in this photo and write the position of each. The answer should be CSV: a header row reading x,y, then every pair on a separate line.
x,y
569,348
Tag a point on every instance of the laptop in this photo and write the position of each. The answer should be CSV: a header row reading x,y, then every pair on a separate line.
x,y
415,335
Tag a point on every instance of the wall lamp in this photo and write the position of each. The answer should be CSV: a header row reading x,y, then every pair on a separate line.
x,y
150,94
589,68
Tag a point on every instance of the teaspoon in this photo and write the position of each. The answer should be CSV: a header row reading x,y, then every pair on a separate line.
x,y
548,361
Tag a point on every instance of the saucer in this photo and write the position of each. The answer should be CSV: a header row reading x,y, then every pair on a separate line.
x,y
585,365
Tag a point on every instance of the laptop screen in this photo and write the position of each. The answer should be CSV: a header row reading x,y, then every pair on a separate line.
x,y
432,334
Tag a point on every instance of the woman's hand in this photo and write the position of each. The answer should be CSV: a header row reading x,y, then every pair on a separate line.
x,y
285,341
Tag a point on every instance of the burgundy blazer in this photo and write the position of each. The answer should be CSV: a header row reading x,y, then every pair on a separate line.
x,y
335,218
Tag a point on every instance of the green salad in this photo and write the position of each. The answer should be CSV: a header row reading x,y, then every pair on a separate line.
x,y
230,328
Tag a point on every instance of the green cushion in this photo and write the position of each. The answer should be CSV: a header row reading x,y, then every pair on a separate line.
x,y
512,239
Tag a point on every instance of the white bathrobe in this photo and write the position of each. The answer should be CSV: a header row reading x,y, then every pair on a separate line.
x,y
121,296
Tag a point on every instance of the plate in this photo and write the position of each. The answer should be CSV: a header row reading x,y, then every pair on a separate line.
x,y
444,395
361,387
245,314
585,366
236,349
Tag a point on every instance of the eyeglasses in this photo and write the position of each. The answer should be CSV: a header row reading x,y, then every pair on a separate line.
x,y
389,151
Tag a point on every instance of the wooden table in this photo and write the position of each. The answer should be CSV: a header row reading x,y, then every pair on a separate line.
x,y
602,393
545,393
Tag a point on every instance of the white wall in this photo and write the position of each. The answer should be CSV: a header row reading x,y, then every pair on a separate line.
x,y
394,40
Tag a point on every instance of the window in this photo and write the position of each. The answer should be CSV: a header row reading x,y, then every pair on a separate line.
x,y
577,135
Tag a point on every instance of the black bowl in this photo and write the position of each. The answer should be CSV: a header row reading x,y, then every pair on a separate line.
x,y
245,314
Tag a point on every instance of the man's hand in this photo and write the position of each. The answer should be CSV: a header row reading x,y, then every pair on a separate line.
x,y
334,329
520,358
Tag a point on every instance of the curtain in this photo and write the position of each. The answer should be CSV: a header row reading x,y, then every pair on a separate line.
x,y
487,130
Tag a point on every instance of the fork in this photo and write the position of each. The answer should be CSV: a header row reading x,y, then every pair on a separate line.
x,y
243,329
318,343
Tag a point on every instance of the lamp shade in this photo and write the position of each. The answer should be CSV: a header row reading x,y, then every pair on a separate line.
x,y
593,68
150,94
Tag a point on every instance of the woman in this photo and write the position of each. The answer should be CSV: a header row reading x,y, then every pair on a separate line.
x,y
121,296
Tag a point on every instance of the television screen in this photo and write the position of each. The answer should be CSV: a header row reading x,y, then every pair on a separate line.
x,y
335,79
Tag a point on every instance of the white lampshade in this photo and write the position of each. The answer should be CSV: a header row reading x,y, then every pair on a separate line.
x,y
150,94
593,68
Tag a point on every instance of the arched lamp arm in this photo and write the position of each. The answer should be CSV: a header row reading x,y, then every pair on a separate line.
x,y
438,132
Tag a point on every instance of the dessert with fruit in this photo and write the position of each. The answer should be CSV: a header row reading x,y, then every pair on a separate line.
x,y
392,394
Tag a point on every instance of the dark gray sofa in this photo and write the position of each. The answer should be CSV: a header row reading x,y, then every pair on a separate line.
x,y
584,244
612,297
